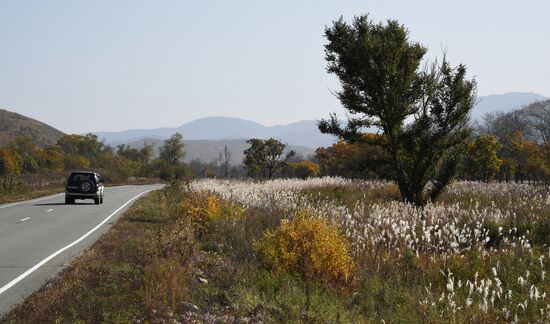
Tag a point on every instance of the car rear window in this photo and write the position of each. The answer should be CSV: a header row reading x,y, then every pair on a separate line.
x,y
77,178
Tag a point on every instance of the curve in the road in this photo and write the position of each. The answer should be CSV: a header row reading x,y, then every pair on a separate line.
x,y
53,255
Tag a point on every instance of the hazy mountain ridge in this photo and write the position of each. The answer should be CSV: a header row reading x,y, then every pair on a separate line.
x,y
13,125
503,103
302,133
215,132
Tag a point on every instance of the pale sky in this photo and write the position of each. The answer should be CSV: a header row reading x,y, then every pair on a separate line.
x,y
114,65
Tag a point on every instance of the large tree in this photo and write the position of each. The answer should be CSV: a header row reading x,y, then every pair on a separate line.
x,y
421,112
170,161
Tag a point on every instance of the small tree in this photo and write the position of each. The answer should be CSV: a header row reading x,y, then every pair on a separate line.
x,y
254,157
53,158
172,150
29,152
304,169
265,157
128,152
482,158
224,161
310,247
274,160
422,114
171,154
146,154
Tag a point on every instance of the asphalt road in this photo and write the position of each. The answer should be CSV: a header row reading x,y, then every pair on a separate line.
x,y
39,237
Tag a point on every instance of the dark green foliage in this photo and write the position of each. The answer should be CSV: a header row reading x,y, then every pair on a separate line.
x,y
423,114
173,172
254,157
172,150
265,157
146,154
170,164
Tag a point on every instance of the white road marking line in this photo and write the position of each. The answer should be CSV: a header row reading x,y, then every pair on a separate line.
x,y
49,210
24,219
30,201
53,255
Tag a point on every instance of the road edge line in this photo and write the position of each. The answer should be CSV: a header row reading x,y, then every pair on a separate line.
x,y
17,203
53,255
6,205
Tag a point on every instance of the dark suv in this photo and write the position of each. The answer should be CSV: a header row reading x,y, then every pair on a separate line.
x,y
84,185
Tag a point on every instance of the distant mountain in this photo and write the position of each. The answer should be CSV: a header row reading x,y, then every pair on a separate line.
x,y
504,103
304,133
13,125
208,150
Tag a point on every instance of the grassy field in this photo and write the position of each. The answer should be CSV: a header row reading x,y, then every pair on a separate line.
x,y
319,250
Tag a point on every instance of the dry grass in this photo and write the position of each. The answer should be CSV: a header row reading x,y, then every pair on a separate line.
x,y
480,255
128,274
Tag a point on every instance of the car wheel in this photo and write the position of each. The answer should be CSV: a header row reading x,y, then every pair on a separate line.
x,y
86,186
96,201
101,200
69,201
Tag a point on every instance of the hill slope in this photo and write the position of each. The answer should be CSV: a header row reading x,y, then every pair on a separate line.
x,y
13,124
504,102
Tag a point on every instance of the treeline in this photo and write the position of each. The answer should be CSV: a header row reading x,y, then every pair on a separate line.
x,y
513,146
75,152
520,142
22,158
263,159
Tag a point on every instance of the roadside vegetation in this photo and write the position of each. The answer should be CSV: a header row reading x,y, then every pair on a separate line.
x,y
318,250
28,171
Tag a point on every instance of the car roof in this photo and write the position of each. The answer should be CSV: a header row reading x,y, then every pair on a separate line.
x,y
84,172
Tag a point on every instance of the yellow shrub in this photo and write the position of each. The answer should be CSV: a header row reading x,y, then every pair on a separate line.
x,y
188,208
304,169
203,209
212,208
308,246
11,163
